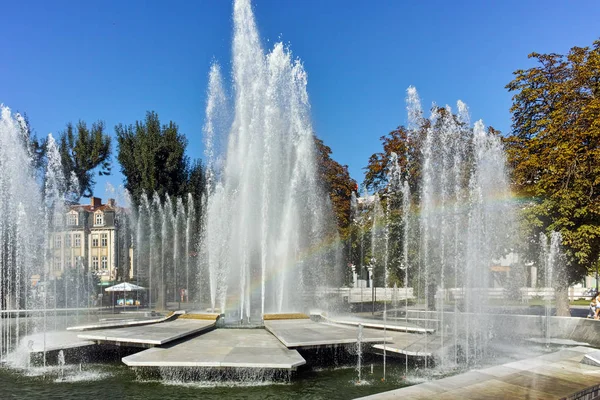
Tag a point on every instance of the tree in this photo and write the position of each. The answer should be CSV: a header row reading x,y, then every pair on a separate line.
x,y
35,147
338,184
83,151
196,186
196,183
408,145
152,157
400,142
554,149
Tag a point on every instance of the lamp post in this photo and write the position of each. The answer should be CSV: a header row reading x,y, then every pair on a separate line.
x,y
116,263
353,268
370,268
597,262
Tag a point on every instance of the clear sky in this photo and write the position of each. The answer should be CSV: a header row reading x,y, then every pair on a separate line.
x,y
65,60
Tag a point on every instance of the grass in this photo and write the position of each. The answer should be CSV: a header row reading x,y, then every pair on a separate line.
x,y
580,302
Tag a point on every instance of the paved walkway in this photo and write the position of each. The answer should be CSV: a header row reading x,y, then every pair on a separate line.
x,y
551,376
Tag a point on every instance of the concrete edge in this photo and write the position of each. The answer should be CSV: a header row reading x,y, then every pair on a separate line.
x,y
125,324
402,351
379,326
147,341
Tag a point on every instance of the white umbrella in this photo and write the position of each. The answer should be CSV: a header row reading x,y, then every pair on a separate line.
x,y
124,287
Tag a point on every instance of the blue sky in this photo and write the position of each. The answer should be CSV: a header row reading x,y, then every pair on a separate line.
x,y
114,60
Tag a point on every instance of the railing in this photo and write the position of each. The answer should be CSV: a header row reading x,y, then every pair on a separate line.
x,y
525,294
365,295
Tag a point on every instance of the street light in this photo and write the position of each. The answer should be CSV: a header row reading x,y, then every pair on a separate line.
x,y
370,268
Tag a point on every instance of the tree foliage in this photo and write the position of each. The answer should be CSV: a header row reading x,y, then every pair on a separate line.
x,y
152,157
338,184
408,146
84,151
35,147
554,149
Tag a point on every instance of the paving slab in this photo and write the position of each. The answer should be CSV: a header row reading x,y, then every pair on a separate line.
x,y
119,323
222,348
306,333
149,335
412,344
542,377
377,324
557,342
53,341
592,359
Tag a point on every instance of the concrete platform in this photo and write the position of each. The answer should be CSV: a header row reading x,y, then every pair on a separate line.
x,y
412,345
592,358
54,341
222,348
148,336
377,324
306,333
120,323
557,342
556,375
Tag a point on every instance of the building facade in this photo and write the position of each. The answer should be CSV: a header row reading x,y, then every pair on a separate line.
x,y
90,237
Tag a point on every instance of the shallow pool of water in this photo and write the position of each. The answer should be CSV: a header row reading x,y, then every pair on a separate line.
x,y
112,381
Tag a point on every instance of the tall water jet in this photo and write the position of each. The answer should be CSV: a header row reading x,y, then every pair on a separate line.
x,y
465,219
190,246
20,234
267,218
551,259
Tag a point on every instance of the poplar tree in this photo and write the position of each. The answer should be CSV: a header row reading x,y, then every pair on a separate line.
x,y
152,157
85,151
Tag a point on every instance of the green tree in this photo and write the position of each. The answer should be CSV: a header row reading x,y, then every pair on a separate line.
x,y
35,147
554,149
152,157
84,151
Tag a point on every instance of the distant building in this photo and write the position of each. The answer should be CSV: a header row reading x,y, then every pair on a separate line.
x,y
90,238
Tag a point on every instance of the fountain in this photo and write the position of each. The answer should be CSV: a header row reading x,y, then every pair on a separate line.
x,y
359,354
266,240
29,272
166,245
267,218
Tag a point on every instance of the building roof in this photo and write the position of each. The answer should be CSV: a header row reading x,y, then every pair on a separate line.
x,y
90,208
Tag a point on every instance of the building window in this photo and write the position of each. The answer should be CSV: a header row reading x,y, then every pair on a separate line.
x,y
94,240
68,240
72,219
104,240
104,262
58,241
98,219
77,240
95,263
57,263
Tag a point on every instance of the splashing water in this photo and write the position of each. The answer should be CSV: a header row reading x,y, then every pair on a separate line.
x,y
267,216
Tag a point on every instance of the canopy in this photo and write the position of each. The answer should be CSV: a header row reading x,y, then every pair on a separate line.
x,y
124,287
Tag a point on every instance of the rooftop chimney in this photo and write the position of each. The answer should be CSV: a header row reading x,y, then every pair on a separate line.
x,y
95,202
111,203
